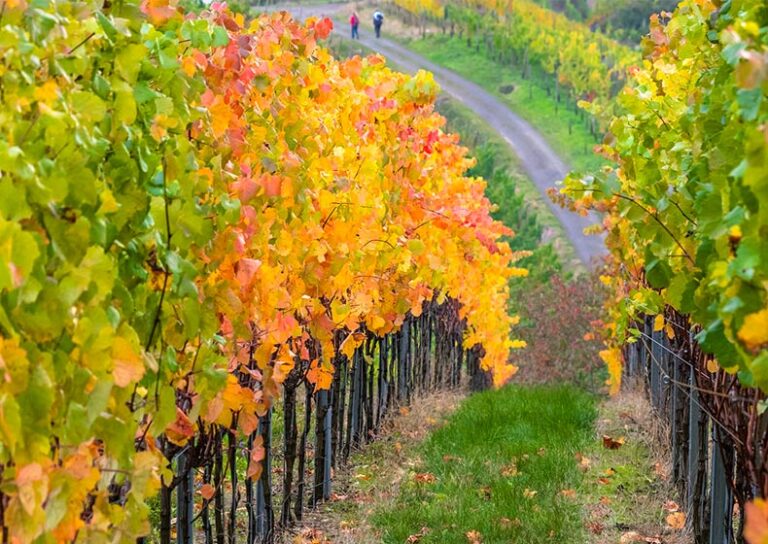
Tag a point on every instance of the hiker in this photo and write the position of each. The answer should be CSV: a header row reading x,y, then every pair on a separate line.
x,y
354,22
378,18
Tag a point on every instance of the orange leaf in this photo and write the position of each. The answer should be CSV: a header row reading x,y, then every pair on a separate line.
x,y
128,367
258,453
474,537
181,430
676,520
613,443
756,529
207,491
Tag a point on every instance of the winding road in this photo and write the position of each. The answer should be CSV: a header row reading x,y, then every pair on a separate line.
x,y
539,161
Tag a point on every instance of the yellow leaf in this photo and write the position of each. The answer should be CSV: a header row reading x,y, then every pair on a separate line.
x,y
517,344
47,92
351,343
713,366
128,367
754,331
529,493
658,323
613,360
516,272
188,65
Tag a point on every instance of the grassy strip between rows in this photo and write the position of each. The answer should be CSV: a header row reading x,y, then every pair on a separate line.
x,y
502,469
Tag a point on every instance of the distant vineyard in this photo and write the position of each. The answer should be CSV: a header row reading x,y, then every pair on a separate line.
x,y
586,64
192,210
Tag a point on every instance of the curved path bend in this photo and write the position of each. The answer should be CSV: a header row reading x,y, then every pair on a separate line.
x,y
539,161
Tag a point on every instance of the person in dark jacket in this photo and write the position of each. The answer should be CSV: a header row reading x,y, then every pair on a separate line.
x,y
354,22
378,19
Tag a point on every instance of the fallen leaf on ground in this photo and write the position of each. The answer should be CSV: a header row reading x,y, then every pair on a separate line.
x,y
676,520
671,506
425,478
510,470
595,527
507,523
416,537
613,443
474,537
529,493
584,462
570,493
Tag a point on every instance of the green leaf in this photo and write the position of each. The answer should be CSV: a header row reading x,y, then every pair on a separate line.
x,y
220,37
128,61
90,107
658,273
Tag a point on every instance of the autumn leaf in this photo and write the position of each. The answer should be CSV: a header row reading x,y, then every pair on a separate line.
x,y
756,528
613,359
351,343
425,478
128,366
181,430
416,537
658,323
613,443
474,537
529,493
159,11
754,330
584,462
257,455
676,520
207,491
510,470
712,365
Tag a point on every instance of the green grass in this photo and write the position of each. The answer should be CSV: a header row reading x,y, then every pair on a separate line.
x,y
538,430
560,124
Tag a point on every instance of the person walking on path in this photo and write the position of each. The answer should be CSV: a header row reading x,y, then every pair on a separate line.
x,y
378,19
354,22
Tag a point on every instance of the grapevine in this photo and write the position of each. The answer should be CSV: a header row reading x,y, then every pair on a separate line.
x,y
684,208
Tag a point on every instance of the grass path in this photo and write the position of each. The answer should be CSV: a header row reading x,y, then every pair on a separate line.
x,y
502,469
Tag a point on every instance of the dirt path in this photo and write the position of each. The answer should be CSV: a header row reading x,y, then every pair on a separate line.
x,y
538,159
